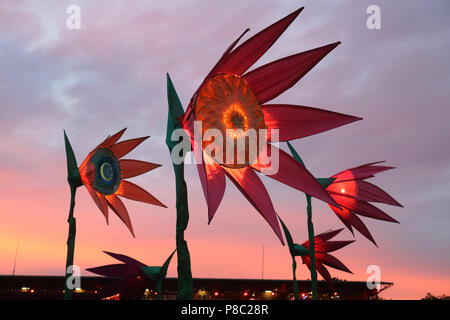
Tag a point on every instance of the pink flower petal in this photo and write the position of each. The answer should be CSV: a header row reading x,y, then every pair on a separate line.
x,y
272,79
351,220
244,56
362,208
212,178
296,122
291,173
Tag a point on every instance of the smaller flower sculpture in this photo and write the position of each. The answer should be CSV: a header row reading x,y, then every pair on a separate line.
x,y
135,277
323,246
321,249
354,194
103,173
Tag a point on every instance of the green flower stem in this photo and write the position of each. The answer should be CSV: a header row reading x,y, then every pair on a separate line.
x,y
70,243
185,283
312,256
295,284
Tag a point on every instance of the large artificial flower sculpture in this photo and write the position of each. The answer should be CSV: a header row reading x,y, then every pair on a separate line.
x,y
134,277
234,101
354,194
103,173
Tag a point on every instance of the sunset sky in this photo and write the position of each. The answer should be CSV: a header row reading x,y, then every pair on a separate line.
x,y
111,74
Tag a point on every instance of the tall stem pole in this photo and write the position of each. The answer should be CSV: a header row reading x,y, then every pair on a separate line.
x,y
176,112
185,283
70,244
312,256
295,284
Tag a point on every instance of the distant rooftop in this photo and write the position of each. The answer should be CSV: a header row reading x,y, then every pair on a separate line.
x,y
51,287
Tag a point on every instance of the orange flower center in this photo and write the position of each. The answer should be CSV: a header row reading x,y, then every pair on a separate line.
x,y
226,104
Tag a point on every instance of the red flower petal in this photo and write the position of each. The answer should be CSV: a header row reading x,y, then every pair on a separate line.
x,y
325,236
119,209
211,174
324,273
370,192
251,186
331,261
133,168
272,79
225,54
296,122
362,208
244,56
319,268
291,173
109,142
364,171
131,191
99,201
116,270
87,174
336,245
122,148
321,239
351,220
125,259
212,178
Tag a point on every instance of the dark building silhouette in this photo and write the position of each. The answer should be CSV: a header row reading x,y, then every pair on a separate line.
x,y
51,287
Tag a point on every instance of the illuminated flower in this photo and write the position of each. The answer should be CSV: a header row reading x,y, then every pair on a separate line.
x,y
322,247
353,194
232,101
103,173
134,276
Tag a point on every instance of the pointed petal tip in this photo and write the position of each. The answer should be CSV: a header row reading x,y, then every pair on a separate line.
x,y
109,253
121,132
297,12
373,241
210,216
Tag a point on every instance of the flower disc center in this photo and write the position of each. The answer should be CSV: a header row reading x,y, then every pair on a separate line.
x,y
107,171
226,103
